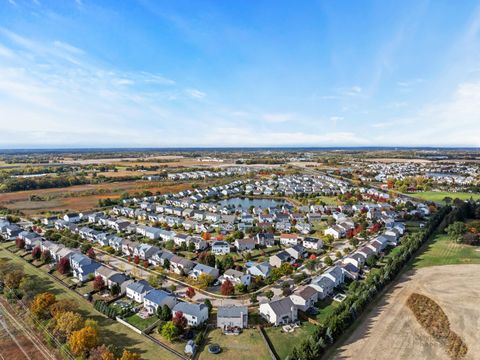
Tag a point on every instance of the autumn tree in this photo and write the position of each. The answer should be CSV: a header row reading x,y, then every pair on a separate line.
x,y
67,322
227,288
28,287
20,243
41,304
91,253
36,252
98,283
190,292
63,266
179,321
13,279
101,352
127,355
83,340
136,259
169,331
205,280
63,305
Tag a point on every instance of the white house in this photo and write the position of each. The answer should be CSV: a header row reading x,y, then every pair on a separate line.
x,y
279,312
220,247
196,314
138,290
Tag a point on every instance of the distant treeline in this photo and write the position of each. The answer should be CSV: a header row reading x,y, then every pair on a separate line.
x,y
20,184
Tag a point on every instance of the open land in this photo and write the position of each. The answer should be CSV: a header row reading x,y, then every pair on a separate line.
x,y
438,196
111,332
390,331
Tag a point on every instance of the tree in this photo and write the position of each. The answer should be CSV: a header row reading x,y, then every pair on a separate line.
x,y
98,283
311,265
83,340
269,294
227,288
67,322
28,287
205,280
456,230
91,253
63,305
115,289
191,246
127,355
190,292
328,261
253,298
180,321
85,247
63,266
45,257
101,352
36,252
166,264
208,304
164,313
41,304
13,279
228,262
20,243
155,280
169,331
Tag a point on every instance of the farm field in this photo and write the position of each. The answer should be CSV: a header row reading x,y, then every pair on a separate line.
x,y
444,251
390,331
85,197
438,196
248,345
111,331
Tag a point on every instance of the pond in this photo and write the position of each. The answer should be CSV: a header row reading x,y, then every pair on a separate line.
x,y
245,203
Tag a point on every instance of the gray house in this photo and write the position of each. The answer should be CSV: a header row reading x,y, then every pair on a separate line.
x,y
231,317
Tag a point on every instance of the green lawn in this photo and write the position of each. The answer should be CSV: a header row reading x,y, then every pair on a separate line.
x,y
283,343
140,323
438,196
326,308
111,331
248,345
443,251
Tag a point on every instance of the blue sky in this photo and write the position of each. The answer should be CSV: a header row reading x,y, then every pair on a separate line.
x,y
239,73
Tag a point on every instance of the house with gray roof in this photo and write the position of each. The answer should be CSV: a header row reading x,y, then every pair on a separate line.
x,y
158,298
279,312
138,290
230,317
196,314
262,269
204,269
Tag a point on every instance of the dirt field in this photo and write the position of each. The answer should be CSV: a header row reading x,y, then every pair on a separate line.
x,y
81,197
391,331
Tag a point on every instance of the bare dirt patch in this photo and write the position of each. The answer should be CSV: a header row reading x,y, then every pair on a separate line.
x,y
391,331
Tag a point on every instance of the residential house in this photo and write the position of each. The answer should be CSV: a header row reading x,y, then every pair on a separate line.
x,y
304,297
220,247
312,243
203,269
262,269
279,312
196,314
236,277
158,298
289,239
279,258
231,317
137,290
247,244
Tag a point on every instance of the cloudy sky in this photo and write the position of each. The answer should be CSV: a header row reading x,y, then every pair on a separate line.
x,y
239,73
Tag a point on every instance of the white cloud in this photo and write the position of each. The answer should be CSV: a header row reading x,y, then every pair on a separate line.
x,y
194,93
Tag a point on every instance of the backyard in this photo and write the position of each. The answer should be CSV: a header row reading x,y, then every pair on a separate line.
x,y
248,345
284,343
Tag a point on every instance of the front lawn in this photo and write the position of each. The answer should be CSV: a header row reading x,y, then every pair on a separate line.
x,y
248,345
444,251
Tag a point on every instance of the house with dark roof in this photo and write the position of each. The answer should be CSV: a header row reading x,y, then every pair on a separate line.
x,y
279,258
279,312
120,279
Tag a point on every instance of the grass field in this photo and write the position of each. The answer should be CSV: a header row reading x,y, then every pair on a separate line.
x,y
140,323
111,331
284,343
248,345
438,196
443,251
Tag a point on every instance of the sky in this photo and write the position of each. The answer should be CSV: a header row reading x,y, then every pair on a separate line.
x,y
236,73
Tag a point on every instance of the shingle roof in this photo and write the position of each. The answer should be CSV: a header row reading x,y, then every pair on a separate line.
x,y
282,306
191,309
232,311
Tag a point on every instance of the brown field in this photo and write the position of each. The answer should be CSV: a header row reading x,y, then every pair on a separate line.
x,y
391,331
80,197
